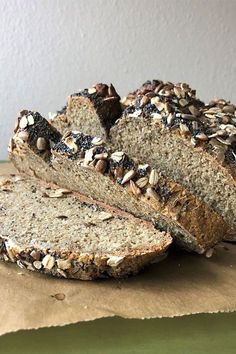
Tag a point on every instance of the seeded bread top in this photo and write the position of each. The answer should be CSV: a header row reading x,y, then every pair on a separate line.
x,y
32,127
98,94
92,152
175,106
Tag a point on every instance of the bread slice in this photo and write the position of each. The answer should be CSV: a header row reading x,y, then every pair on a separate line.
x,y
57,233
194,145
85,164
92,110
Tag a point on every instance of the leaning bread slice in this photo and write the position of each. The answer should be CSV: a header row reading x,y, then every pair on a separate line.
x,y
92,110
57,233
85,164
194,145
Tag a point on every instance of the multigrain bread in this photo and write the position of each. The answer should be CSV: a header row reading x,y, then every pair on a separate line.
x,y
192,143
85,164
92,110
57,233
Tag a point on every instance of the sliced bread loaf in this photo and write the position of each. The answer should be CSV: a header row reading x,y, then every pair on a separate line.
x,y
57,233
193,144
92,110
85,164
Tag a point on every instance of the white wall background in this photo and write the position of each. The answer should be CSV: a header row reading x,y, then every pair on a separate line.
x,y
51,48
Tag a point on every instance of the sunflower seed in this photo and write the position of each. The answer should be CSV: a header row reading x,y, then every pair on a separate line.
x,y
23,122
160,106
229,128
117,156
112,91
30,119
177,91
184,129
92,163
167,107
194,111
92,90
213,110
154,177
69,141
226,141
188,117
51,115
37,264
183,102
183,93
195,125
105,216
155,100
62,273
89,155
48,261
128,176
41,144
102,156
158,88
63,263
114,261
135,189
126,101
35,255
184,86
51,144
229,109
97,141
217,133
11,255
144,101
209,253
193,141
202,136
170,118
63,190
101,166
20,264
157,116
150,192
210,116
142,182
225,119
66,134
119,172
54,194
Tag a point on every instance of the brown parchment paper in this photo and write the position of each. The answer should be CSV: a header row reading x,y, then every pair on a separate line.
x,y
181,284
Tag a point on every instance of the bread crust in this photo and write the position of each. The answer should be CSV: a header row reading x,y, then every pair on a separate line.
x,y
100,107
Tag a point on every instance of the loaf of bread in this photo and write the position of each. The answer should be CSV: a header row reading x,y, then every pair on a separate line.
x,y
57,233
192,143
92,110
85,164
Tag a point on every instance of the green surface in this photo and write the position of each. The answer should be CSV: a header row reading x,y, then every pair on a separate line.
x,y
184,335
